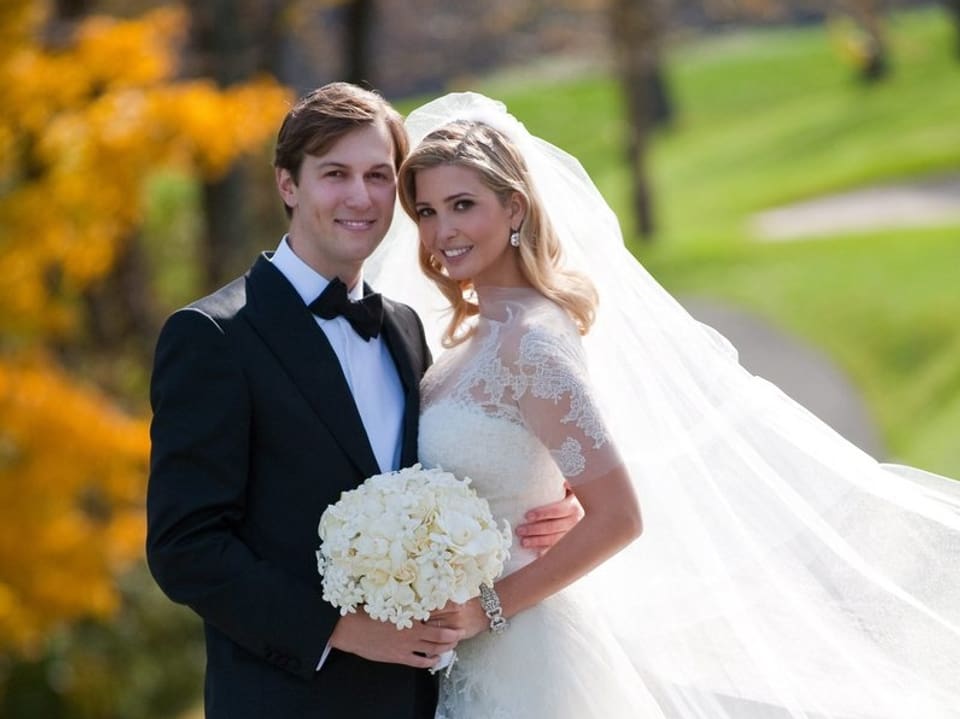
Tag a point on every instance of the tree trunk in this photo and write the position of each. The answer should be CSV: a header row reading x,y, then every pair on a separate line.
x,y
230,42
227,249
359,21
63,18
875,63
70,9
637,30
122,310
953,8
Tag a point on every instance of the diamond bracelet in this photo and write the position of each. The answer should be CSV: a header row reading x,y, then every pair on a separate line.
x,y
490,603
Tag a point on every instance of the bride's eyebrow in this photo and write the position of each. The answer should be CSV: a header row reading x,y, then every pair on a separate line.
x,y
446,200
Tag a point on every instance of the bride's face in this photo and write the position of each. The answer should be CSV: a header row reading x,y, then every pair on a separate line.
x,y
466,226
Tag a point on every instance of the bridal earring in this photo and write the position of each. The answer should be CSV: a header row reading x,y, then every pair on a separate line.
x,y
515,238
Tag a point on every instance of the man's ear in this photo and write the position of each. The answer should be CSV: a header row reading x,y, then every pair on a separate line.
x,y
286,186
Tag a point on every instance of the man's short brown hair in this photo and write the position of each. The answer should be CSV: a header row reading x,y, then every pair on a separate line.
x,y
321,117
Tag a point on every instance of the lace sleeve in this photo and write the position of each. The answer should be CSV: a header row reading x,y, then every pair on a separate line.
x,y
556,404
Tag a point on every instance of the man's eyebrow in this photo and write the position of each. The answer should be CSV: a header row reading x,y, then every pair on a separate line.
x,y
337,163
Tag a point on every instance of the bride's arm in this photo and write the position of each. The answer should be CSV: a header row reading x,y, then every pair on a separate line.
x,y
555,401
612,519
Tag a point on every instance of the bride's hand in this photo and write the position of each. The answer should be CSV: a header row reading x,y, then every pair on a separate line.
x,y
467,618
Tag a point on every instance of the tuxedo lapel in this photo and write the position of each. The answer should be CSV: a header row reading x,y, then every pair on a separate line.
x,y
285,324
403,341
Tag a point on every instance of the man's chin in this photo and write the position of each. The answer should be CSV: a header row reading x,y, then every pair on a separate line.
x,y
360,250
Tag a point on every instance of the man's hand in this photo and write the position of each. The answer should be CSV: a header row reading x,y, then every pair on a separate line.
x,y
546,525
379,641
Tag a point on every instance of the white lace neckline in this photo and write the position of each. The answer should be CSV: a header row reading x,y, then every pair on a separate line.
x,y
525,365
500,304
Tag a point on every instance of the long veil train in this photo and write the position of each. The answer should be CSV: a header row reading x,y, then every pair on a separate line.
x,y
782,572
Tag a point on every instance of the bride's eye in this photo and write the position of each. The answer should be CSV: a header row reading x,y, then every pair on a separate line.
x,y
424,211
463,204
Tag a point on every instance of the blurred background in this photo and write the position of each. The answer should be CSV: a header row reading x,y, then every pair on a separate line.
x,y
789,168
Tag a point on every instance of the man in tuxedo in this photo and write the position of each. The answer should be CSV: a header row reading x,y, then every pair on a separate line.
x,y
272,396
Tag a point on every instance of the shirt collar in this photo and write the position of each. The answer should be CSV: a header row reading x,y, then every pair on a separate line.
x,y
305,280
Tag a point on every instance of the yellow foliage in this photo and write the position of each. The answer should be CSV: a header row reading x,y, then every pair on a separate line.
x,y
215,125
71,482
849,41
18,18
82,128
146,48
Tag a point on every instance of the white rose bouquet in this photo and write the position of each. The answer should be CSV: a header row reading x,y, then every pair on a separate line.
x,y
404,543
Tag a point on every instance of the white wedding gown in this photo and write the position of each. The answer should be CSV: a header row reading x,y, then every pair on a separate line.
x,y
782,573
511,408
491,408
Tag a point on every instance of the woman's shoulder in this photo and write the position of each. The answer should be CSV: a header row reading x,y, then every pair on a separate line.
x,y
541,328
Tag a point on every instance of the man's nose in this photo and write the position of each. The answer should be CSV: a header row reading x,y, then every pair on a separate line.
x,y
358,194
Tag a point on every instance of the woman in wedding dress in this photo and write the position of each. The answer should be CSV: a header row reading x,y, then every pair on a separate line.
x,y
509,406
781,572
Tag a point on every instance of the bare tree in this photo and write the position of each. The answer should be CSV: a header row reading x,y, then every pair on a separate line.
x,y
953,7
637,28
875,56
70,9
870,49
120,309
359,17
231,40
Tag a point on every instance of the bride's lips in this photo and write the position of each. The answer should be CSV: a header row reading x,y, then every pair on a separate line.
x,y
452,254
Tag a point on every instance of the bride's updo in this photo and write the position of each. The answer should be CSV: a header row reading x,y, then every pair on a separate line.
x,y
502,169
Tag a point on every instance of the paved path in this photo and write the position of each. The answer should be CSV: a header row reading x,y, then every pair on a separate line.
x,y
931,201
804,373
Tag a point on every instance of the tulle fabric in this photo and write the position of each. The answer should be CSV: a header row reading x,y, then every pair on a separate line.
x,y
782,572
557,660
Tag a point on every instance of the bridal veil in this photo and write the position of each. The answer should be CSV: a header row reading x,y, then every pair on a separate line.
x,y
782,571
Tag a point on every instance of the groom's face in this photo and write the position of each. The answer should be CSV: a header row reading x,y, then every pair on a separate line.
x,y
342,201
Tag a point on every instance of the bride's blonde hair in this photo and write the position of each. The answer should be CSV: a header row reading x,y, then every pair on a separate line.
x,y
501,168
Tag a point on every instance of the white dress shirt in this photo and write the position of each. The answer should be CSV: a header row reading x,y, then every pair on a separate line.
x,y
367,365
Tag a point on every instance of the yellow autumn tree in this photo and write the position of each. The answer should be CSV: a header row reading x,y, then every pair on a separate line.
x,y
83,125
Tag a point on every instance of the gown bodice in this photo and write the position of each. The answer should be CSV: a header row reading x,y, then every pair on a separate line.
x,y
510,408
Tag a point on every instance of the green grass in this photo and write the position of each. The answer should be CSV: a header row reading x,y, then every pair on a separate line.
x,y
767,117
884,305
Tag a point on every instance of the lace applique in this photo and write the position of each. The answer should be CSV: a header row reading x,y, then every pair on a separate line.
x,y
532,374
557,370
569,458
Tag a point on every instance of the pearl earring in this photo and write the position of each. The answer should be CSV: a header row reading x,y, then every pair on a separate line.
x,y
515,238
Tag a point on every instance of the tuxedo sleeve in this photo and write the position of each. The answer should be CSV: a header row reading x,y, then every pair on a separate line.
x,y
196,502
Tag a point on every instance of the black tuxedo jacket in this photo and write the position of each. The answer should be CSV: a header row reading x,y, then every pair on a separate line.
x,y
254,433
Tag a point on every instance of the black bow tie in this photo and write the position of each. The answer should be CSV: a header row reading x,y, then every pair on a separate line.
x,y
365,316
